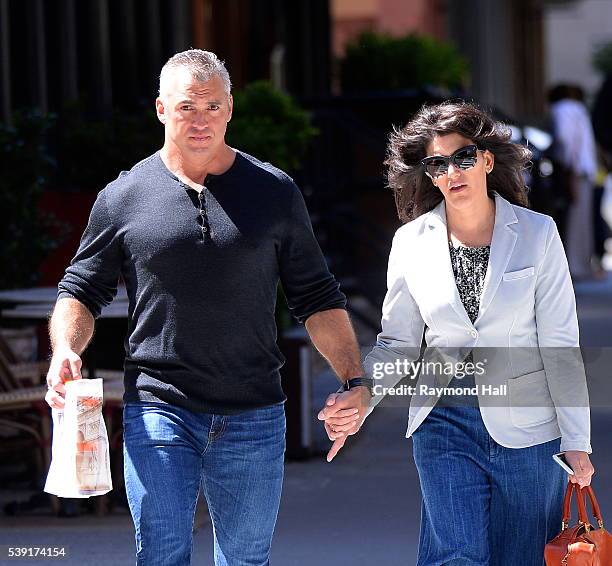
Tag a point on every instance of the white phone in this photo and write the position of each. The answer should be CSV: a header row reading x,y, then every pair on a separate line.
x,y
562,461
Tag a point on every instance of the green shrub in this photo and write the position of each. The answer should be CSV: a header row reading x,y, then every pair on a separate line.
x,y
382,62
25,232
92,151
270,125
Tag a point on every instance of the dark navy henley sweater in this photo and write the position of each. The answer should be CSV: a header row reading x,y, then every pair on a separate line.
x,y
201,272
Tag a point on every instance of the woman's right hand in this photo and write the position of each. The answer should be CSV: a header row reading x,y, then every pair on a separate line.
x,y
581,464
65,366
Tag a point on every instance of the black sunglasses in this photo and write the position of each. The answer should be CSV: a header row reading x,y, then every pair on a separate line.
x,y
464,158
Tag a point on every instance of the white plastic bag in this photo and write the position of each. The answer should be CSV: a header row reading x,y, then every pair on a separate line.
x,y
80,463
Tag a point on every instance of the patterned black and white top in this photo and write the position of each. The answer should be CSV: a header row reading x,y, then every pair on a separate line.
x,y
469,268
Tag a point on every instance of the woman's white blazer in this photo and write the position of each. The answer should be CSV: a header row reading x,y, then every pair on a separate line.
x,y
527,326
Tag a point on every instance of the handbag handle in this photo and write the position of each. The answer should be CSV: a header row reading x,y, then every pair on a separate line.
x,y
567,506
580,499
594,505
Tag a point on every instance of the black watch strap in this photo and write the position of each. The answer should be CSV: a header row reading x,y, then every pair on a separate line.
x,y
359,382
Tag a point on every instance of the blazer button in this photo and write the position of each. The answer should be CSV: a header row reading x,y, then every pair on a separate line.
x,y
474,333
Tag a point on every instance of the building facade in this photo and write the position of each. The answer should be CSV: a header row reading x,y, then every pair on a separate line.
x,y
108,53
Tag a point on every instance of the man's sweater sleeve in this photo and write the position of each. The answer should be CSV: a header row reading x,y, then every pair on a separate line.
x,y
94,271
306,280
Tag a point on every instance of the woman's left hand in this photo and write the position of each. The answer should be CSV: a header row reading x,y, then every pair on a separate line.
x,y
581,464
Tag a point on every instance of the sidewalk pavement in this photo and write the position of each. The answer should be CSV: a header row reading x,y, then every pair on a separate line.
x,y
362,509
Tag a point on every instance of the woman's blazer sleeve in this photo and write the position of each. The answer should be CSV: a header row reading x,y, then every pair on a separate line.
x,y
402,325
558,340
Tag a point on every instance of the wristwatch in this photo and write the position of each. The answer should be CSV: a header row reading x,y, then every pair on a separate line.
x,y
359,382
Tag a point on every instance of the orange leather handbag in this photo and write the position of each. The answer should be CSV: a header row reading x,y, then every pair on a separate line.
x,y
580,545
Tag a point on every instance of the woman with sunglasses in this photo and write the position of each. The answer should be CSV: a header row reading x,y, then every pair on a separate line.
x,y
473,267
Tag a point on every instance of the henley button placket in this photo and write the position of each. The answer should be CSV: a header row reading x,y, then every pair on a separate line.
x,y
206,234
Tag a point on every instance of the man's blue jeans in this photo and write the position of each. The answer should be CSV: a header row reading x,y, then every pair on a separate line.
x,y
237,461
483,504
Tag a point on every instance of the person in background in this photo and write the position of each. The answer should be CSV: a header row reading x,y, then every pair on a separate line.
x,y
601,230
602,127
576,150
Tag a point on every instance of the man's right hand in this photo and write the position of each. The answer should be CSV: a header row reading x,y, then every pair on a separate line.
x,y
65,366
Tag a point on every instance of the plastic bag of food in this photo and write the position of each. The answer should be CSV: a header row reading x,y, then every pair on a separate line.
x,y
80,463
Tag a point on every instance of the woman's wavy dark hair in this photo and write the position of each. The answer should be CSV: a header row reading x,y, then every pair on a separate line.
x,y
414,192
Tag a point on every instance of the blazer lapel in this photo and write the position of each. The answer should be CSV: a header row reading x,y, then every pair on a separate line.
x,y
442,282
502,246
443,279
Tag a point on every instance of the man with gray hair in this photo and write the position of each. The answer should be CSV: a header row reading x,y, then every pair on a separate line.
x,y
201,234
